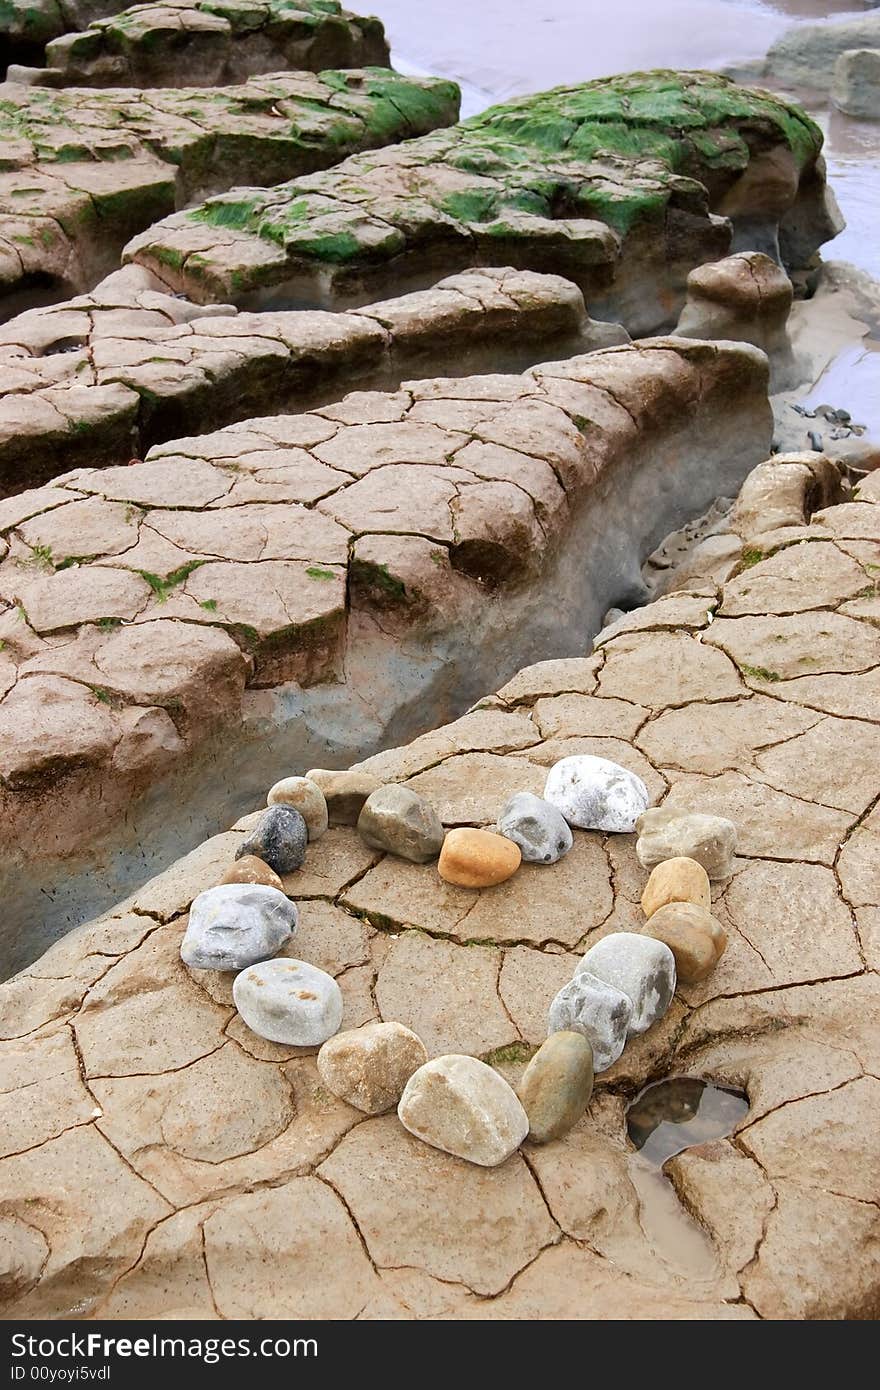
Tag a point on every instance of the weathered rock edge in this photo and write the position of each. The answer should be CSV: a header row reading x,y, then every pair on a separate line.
x,y
138,1185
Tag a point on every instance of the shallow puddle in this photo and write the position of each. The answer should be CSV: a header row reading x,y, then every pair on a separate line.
x,y
673,1115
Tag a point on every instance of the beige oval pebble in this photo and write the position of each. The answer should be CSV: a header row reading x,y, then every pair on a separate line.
x,y
679,880
250,869
477,858
368,1067
304,796
461,1105
693,935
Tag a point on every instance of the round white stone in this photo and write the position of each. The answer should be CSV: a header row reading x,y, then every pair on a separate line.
x,y
540,830
595,794
235,924
288,1001
461,1105
640,967
602,1013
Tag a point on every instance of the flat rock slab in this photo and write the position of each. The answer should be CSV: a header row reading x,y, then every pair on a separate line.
x,y
630,159
206,44
84,170
140,1126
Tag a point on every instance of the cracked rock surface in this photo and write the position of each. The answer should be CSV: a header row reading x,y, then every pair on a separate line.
x,y
100,377
136,1185
248,600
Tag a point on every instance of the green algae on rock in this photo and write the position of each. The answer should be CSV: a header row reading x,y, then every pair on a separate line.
x,y
211,42
83,171
623,185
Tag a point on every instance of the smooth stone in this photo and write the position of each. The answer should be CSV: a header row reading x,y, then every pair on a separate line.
x,y
288,1001
679,880
304,796
279,838
344,792
540,830
464,1107
368,1067
477,858
856,85
595,794
639,966
556,1086
667,834
250,869
599,1011
693,935
236,924
397,819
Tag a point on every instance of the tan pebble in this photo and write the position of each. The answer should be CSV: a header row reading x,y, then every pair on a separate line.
x,y
477,858
304,796
368,1067
693,935
250,869
677,880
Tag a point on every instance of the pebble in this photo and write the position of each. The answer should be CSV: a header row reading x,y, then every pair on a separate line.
x,y
693,935
368,1067
344,792
679,880
397,819
304,796
236,924
250,869
464,1107
540,830
477,858
556,1086
641,967
667,834
288,1001
279,838
599,1011
595,794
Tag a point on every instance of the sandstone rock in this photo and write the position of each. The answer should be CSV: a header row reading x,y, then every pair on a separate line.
x,y
344,792
641,968
556,1085
696,938
668,834
400,821
304,796
368,1067
458,1104
279,838
540,830
856,86
477,858
600,1012
236,924
742,298
250,869
288,1001
595,794
679,880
